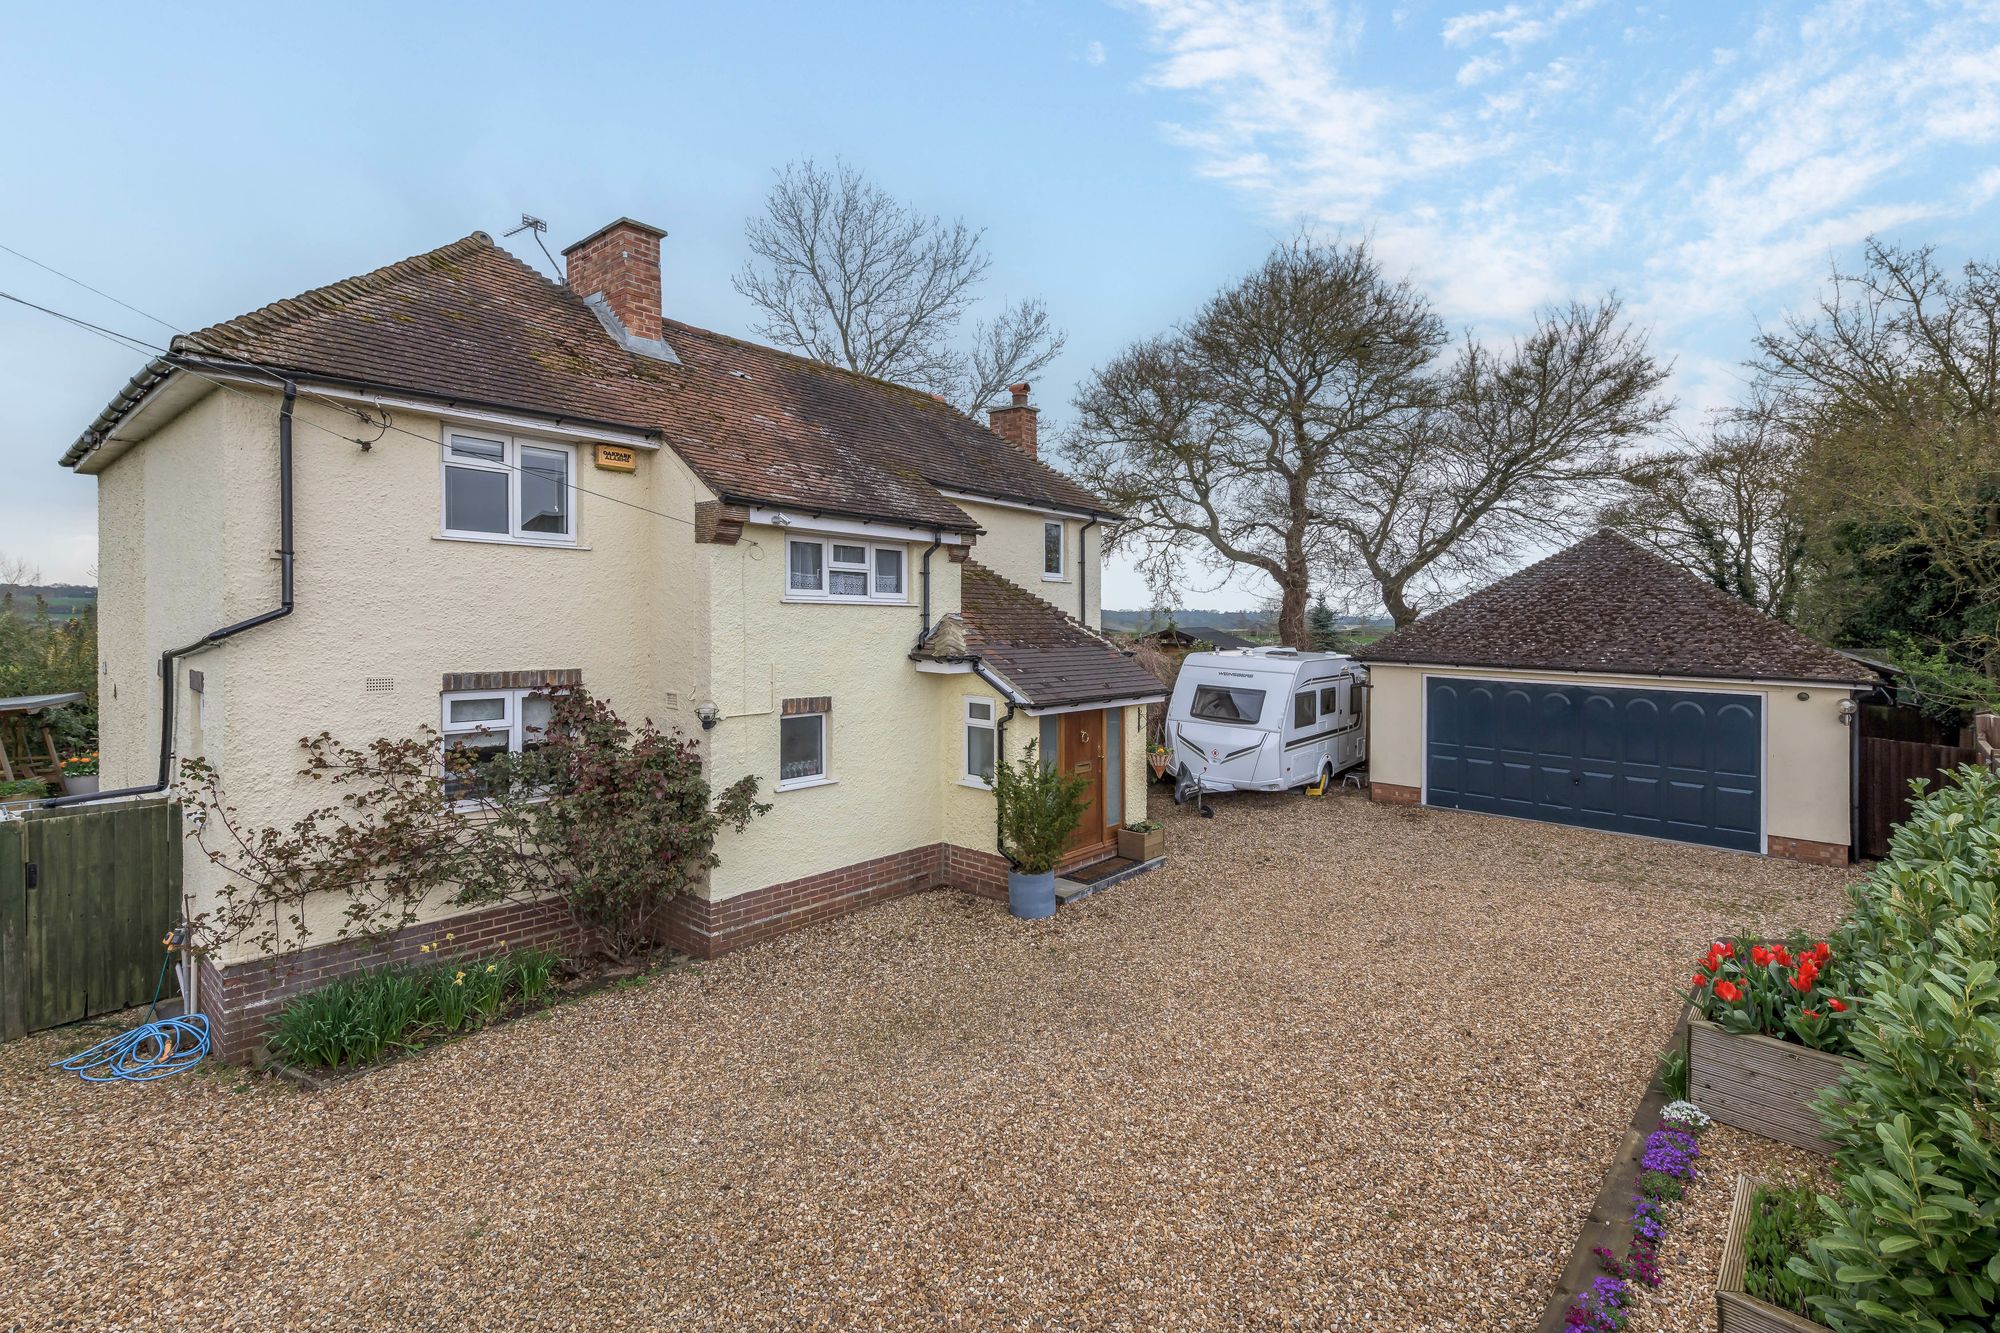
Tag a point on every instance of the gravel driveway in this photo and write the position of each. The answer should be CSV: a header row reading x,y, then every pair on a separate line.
x,y
1337,1066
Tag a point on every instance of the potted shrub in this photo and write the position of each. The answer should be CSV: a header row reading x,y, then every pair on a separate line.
x,y
1143,840
1160,757
1757,1290
1040,806
79,774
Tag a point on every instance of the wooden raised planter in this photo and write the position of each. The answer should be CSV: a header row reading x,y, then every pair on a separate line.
x,y
1142,846
1760,1084
1736,1311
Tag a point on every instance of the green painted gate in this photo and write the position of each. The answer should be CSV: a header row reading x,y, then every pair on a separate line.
x,y
86,897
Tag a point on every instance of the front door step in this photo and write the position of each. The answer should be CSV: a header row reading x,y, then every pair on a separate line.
x,y
1086,880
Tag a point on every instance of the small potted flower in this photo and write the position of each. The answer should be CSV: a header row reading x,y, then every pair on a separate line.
x,y
1040,807
1160,757
79,774
1143,840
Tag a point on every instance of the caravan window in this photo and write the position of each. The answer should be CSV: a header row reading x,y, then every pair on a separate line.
x,y
1303,711
1224,703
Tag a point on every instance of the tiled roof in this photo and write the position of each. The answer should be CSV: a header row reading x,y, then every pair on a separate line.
x,y
1608,604
1050,658
470,323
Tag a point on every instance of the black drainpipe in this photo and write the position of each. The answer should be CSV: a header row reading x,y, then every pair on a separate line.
x,y
169,675
924,629
999,758
1083,571
1854,783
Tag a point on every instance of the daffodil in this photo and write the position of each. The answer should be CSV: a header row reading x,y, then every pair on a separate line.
x,y
492,968
448,935
458,980
425,948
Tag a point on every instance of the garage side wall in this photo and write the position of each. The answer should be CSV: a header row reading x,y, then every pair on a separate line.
x,y
1806,758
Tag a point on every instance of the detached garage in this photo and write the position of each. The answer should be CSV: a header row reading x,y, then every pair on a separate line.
x,y
1608,688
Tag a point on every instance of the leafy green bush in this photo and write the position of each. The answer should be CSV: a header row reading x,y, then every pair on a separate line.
x,y
1913,1243
1040,806
361,1018
23,789
1783,1218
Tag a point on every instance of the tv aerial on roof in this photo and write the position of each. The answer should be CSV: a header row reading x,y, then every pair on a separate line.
x,y
529,222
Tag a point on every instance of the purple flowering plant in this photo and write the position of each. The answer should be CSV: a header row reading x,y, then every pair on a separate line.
x,y
1666,1165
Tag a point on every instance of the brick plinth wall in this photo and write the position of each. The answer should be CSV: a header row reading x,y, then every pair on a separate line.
x,y
981,874
242,999
1804,849
1390,794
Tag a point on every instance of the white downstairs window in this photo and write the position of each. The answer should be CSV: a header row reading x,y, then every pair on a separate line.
x,y
505,489
835,569
980,741
802,750
482,724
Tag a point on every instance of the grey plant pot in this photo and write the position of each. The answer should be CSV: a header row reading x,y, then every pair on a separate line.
x,y
1031,897
84,786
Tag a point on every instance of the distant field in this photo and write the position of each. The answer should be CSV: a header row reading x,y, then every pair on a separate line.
x,y
65,599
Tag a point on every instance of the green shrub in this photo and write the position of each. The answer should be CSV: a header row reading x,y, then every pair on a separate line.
x,y
1040,806
1783,1218
361,1018
23,789
1913,1243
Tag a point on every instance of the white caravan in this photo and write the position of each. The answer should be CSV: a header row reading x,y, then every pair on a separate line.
x,y
1265,719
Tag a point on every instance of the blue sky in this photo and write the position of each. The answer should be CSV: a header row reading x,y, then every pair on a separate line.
x,y
1707,161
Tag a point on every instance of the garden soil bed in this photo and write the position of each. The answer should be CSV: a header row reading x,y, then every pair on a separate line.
x,y
1760,1084
1334,1066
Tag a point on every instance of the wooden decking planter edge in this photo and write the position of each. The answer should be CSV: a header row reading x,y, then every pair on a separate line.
x,y
1761,1084
1736,1311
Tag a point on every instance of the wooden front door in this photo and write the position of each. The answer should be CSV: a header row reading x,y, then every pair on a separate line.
x,y
1081,752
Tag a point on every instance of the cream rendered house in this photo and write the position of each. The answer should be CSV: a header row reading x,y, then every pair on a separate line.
x,y
417,496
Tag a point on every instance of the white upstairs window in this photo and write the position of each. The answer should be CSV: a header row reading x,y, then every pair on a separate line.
x,y
505,489
834,569
1054,556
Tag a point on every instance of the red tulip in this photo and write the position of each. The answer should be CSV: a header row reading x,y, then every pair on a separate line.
x,y
1701,978
1836,1006
1759,955
1728,991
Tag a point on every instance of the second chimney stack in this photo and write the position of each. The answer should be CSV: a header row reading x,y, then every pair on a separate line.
x,y
621,263
1015,423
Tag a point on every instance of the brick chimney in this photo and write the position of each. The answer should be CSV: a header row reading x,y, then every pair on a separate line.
x,y
621,264
1015,423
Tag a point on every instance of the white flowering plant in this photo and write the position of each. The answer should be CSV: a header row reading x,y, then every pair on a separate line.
x,y
1685,1115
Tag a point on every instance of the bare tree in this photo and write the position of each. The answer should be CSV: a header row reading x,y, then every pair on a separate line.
x,y
849,275
19,571
1219,439
1513,448
1725,505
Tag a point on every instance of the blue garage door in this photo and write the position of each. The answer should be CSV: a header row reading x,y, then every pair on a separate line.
x,y
1679,764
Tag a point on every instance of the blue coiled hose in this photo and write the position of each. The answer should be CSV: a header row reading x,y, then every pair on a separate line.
x,y
154,1049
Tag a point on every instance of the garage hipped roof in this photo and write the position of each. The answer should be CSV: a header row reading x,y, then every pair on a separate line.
x,y
1608,604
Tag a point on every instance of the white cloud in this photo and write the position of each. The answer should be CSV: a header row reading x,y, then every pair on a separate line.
x,y
1701,180
1093,54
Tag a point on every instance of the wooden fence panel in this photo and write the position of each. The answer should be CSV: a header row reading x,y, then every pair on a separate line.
x,y
86,897
1887,769
13,933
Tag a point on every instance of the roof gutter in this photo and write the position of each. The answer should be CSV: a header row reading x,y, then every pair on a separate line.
x,y
169,660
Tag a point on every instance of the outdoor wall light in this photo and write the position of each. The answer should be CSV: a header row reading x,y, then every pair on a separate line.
x,y
709,714
1848,708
